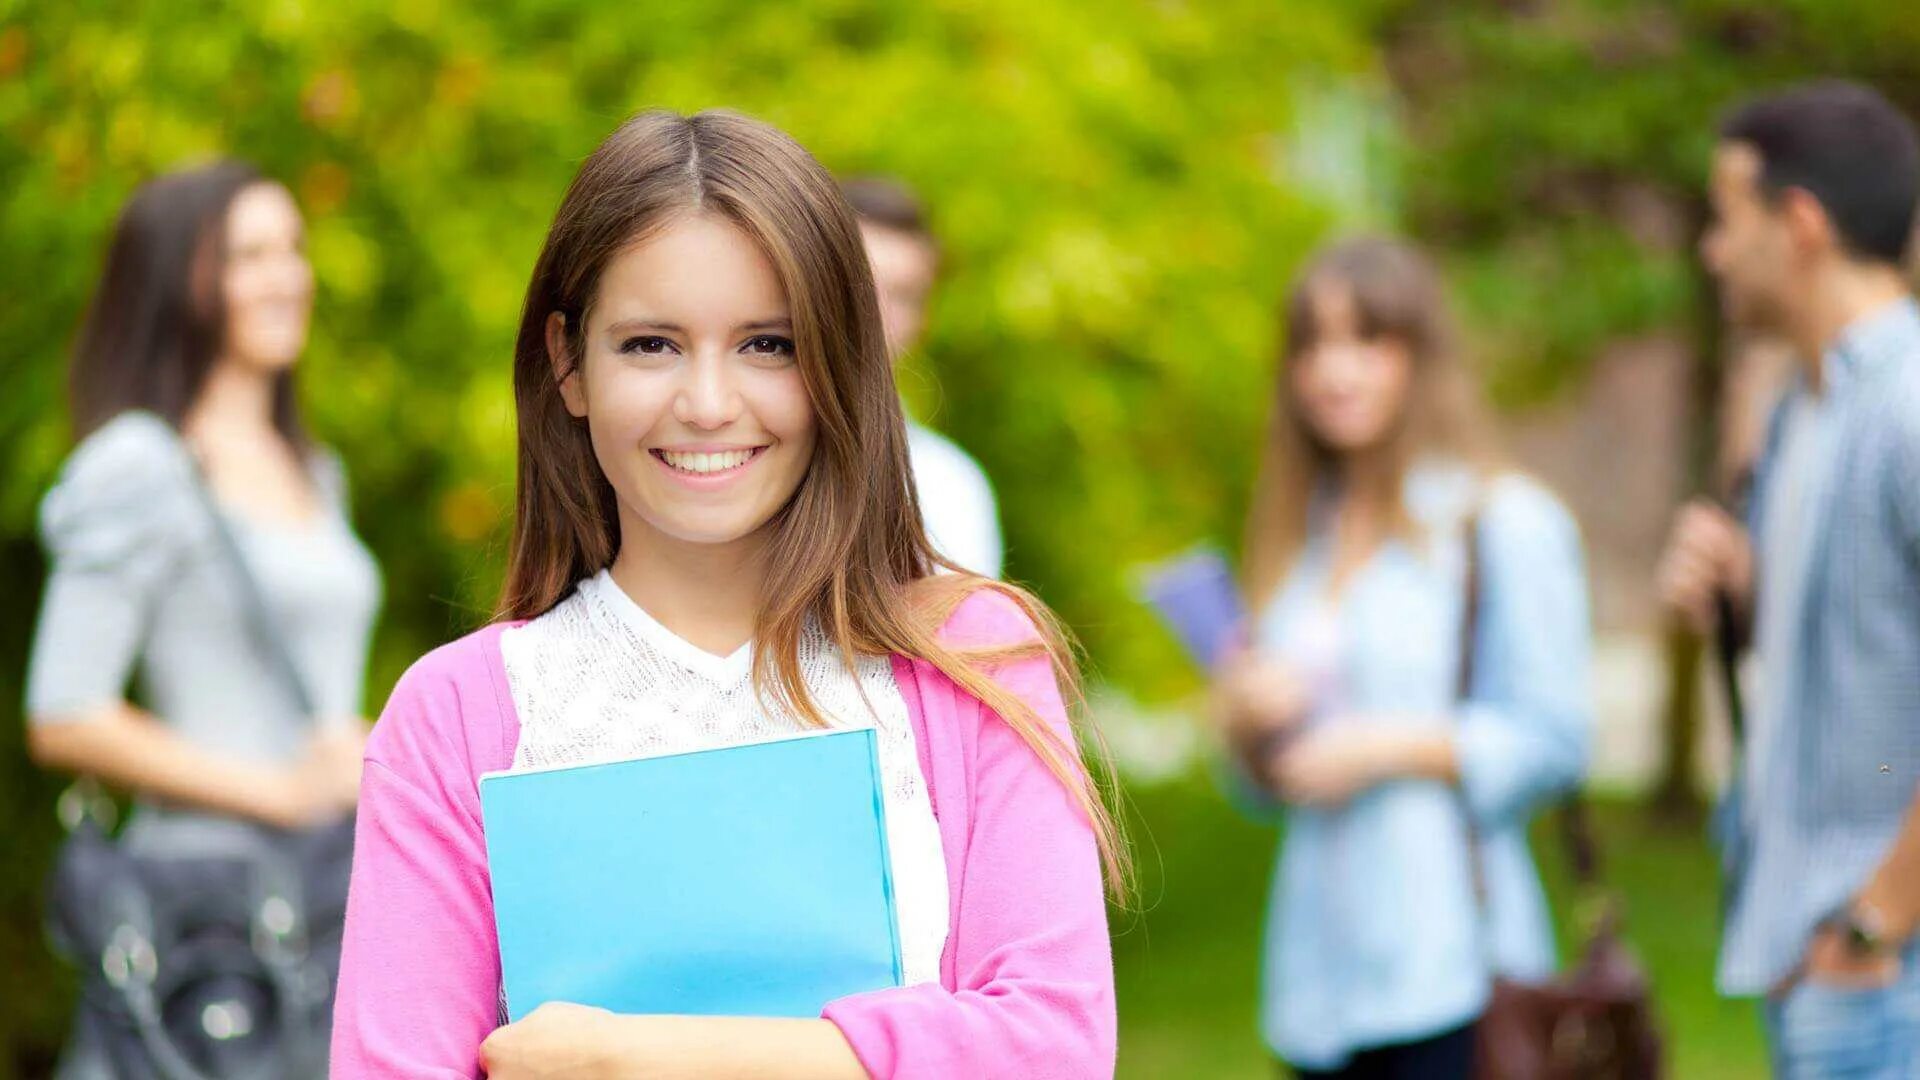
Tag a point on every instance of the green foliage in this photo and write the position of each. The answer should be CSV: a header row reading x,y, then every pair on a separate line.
x,y
1122,190
1560,151
1101,176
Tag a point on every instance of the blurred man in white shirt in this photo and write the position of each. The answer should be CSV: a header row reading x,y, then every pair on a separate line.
x,y
955,498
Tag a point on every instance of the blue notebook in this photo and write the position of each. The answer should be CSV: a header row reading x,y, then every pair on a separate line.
x,y
745,881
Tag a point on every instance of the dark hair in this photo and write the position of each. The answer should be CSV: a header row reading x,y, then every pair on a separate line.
x,y
155,323
1850,149
888,203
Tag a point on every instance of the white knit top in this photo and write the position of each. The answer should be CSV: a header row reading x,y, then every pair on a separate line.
x,y
598,679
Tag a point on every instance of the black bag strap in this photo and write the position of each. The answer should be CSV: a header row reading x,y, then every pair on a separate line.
x,y
266,630
1726,656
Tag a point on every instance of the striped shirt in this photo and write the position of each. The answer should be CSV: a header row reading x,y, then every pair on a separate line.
x,y
1833,758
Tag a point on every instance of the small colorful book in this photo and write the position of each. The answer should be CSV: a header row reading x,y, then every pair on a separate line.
x,y
1196,596
750,880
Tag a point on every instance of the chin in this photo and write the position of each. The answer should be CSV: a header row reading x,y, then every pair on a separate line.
x,y
275,355
708,529
1343,442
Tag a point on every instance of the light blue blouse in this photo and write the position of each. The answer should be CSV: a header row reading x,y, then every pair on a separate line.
x,y
1374,934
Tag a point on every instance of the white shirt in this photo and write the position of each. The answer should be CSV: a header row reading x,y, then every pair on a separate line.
x,y
598,679
956,501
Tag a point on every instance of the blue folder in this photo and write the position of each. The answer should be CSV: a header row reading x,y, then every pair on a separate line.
x,y
750,880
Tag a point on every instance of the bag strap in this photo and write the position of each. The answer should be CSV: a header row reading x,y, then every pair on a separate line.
x,y
86,797
1583,849
1730,638
1726,656
266,630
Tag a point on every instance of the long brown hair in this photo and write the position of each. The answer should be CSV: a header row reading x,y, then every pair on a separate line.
x,y
156,323
848,549
1396,294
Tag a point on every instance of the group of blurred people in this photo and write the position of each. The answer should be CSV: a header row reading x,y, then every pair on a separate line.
x,y
198,539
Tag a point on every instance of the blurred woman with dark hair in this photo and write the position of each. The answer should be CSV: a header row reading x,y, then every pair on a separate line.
x,y
199,547
1376,497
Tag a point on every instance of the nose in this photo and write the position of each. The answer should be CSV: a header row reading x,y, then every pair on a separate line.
x,y
707,398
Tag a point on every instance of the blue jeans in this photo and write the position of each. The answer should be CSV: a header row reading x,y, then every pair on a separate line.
x,y
1820,1032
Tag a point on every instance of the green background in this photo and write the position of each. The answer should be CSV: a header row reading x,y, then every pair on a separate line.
x,y
1122,189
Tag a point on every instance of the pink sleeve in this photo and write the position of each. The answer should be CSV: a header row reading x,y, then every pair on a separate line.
x,y
419,970
1032,960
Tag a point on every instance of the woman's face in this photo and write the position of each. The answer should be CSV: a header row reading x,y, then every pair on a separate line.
x,y
1351,391
689,386
267,283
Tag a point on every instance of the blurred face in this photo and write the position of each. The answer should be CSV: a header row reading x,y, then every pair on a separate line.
x,y
267,283
689,386
903,272
1351,391
1748,246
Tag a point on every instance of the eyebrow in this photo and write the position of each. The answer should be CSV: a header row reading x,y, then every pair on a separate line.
x,y
629,325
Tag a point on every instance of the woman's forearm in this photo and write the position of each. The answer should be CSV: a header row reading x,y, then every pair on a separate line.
x,y
737,1047
1426,755
125,747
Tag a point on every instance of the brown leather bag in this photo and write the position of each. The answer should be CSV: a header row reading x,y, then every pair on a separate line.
x,y
1594,1021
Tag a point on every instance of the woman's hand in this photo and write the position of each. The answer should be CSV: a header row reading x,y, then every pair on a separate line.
x,y
1329,765
324,784
1256,696
1257,702
560,1040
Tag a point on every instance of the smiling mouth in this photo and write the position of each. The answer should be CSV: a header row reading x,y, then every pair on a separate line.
x,y
702,463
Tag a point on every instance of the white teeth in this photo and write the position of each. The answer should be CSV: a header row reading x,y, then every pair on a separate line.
x,y
706,463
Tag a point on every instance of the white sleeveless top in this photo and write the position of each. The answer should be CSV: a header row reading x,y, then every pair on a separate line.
x,y
598,679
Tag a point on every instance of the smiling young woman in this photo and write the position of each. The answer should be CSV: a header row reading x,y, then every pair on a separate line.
x,y
718,540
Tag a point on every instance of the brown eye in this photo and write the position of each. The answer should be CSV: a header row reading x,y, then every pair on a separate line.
x,y
646,345
769,345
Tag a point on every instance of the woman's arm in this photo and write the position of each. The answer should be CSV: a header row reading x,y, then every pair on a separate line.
x,y
123,746
1524,734
1031,959
118,527
593,1044
419,969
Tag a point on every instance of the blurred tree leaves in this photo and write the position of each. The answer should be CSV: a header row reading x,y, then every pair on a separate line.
x,y
1557,151
1102,176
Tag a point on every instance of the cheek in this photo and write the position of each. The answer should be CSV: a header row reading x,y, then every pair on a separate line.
x,y
1393,381
780,402
239,291
1303,383
623,405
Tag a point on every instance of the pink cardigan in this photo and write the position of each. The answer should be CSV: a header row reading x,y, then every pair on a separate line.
x,y
1026,980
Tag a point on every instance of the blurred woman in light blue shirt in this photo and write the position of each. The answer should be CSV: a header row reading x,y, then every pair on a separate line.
x,y
1346,710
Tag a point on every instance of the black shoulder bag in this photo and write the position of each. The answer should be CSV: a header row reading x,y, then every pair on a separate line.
x,y
204,966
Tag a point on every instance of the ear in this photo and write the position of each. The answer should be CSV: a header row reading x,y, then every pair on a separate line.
x,y
566,371
1807,222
